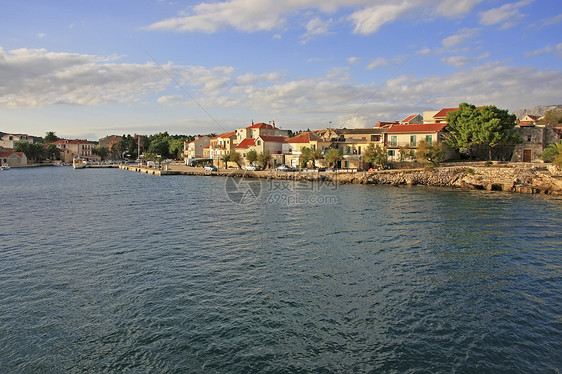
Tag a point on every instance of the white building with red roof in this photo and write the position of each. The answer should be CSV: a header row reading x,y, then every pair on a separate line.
x,y
401,140
11,158
194,150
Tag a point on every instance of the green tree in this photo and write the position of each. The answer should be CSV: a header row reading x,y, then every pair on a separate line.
x,y
235,157
469,126
33,151
176,148
305,157
553,153
333,156
225,159
160,147
430,153
252,156
264,158
100,151
551,118
376,155
315,154
52,152
50,137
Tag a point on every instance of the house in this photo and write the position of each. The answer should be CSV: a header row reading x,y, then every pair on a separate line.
x,y
10,140
402,140
72,148
220,145
260,144
385,124
328,135
108,140
529,120
292,149
355,142
534,139
255,130
412,119
11,158
194,150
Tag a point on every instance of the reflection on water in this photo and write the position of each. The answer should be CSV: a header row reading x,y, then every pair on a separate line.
x,y
105,270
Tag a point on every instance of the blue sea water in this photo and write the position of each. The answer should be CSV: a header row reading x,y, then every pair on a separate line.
x,y
104,270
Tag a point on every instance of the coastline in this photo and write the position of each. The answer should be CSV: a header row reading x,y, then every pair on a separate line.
x,y
518,178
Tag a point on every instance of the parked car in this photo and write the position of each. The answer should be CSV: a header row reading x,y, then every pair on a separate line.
x,y
253,167
210,168
284,168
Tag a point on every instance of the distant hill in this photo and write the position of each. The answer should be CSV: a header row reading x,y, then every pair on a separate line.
x,y
536,111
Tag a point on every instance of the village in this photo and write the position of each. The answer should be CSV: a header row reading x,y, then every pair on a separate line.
x,y
264,145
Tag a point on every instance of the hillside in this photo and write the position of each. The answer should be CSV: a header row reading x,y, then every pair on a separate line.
x,y
536,111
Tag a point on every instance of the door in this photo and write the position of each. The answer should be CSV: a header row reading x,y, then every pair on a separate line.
x,y
526,155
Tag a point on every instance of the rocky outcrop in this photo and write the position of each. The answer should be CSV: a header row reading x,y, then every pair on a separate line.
x,y
536,111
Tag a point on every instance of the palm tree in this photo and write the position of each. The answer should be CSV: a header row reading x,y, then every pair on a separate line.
x,y
316,154
553,153
333,156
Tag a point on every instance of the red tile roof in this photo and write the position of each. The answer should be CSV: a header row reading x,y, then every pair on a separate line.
x,y
386,124
305,137
260,125
409,118
418,127
7,152
246,143
443,112
225,135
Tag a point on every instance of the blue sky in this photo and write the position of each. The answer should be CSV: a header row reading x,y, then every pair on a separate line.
x,y
93,68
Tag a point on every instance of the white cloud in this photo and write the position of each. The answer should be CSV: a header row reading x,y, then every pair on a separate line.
x,y
507,15
381,61
353,60
546,50
459,37
267,15
316,27
41,35
461,61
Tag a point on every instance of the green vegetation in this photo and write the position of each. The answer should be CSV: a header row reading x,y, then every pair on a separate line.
x,y
551,118
50,137
235,157
305,157
33,151
430,153
100,151
553,153
470,126
469,171
333,156
264,158
252,156
225,159
376,155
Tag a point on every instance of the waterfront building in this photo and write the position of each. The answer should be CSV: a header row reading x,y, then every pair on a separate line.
x,y
194,150
402,140
72,148
10,140
11,158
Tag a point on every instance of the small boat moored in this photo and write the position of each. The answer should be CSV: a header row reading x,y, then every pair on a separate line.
x,y
79,163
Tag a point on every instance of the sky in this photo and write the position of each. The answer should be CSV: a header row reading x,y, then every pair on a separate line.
x,y
87,69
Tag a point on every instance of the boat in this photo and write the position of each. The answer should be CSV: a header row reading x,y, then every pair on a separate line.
x,y
78,163
5,167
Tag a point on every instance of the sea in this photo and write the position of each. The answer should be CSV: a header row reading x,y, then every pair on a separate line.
x,y
106,270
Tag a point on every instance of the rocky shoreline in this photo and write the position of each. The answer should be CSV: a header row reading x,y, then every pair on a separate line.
x,y
520,178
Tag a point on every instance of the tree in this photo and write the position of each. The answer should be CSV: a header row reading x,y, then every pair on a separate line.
x,y
176,147
305,157
33,151
225,159
264,158
100,151
52,152
50,137
551,118
376,155
430,153
315,154
160,147
469,126
553,153
252,156
333,156
235,157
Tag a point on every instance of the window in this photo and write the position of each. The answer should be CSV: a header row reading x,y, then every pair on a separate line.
x,y
259,142
391,152
528,138
429,139
393,141
413,141
375,138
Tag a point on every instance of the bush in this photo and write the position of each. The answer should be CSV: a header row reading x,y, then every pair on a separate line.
x,y
469,171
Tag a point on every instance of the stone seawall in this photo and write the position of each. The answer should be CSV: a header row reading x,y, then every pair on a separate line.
x,y
522,178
